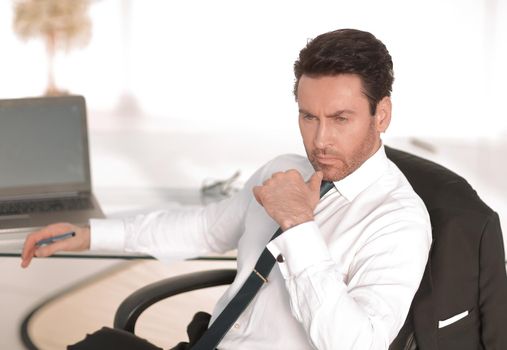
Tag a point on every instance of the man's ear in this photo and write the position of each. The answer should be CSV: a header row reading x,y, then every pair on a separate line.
x,y
383,114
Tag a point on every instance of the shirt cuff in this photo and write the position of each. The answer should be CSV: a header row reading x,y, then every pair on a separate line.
x,y
107,234
298,248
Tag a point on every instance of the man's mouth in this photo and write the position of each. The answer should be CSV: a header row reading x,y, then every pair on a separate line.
x,y
326,160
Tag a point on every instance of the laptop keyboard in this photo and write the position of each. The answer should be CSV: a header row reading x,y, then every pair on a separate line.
x,y
44,205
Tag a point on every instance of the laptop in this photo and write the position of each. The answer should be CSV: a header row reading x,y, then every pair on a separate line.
x,y
44,164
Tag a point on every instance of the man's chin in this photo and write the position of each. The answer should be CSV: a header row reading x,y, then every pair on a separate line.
x,y
330,173
333,177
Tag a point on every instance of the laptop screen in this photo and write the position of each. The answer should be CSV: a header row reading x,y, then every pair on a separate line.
x,y
43,143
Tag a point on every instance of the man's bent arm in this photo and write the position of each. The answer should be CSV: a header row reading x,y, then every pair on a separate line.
x,y
366,308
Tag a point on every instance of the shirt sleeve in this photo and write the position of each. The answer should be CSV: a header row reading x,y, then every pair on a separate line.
x,y
178,233
364,308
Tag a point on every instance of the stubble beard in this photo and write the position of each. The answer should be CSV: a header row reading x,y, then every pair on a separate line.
x,y
344,167
332,172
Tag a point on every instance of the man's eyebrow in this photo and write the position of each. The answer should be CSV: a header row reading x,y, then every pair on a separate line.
x,y
333,115
340,112
302,111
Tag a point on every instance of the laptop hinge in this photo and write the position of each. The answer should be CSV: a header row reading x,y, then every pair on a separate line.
x,y
44,196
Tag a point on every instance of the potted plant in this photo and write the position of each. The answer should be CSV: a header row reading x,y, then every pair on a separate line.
x,y
62,24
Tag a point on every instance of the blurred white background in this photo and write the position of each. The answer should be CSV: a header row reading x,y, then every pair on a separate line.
x,y
227,65
182,91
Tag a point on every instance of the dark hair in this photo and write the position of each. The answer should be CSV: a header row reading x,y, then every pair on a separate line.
x,y
349,51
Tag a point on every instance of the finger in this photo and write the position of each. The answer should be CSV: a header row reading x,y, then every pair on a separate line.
x,y
294,173
277,174
257,194
26,259
46,232
315,181
30,245
27,252
52,248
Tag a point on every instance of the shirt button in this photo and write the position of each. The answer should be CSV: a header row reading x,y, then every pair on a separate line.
x,y
280,258
236,325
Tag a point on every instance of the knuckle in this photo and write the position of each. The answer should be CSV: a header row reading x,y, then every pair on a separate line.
x,y
32,238
293,174
269,181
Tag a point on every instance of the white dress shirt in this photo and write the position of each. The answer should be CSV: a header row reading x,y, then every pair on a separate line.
x,y
348,277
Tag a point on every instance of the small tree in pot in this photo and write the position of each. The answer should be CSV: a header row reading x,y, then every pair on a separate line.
x,y
62,24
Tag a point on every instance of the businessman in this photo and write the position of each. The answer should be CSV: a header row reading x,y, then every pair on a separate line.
x,y
348,265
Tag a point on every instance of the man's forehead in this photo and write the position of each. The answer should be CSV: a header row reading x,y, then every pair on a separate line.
x,y
337,92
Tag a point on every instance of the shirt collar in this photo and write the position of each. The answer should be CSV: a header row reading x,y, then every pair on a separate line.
x,y
355,183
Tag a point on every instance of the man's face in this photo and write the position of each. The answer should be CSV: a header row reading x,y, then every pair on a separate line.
x,y
338,131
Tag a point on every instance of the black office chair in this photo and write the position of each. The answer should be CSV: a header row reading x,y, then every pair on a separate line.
x,y
465,271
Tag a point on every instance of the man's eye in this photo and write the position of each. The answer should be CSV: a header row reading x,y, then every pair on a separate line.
x,y
308,117
341,119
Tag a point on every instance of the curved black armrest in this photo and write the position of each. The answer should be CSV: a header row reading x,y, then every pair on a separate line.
x,y
134,305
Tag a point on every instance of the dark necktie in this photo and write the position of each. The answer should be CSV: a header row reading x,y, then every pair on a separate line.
x,y
214,334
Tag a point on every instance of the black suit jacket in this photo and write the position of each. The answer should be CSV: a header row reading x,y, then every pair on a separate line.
x,y
466,268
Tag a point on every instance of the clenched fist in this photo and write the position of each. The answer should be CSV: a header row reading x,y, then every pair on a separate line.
x,y
288,199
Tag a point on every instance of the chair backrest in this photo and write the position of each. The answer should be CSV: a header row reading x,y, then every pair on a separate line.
x,y
429,179
452,279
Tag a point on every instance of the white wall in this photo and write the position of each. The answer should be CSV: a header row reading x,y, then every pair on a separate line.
x,y
227,65
213,82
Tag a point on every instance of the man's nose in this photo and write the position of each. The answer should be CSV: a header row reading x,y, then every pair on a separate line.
x,y
323,135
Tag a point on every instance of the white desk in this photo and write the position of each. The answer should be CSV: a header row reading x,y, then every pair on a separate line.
x,y
23,289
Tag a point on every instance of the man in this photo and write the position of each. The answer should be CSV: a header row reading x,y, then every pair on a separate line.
x,y
349,264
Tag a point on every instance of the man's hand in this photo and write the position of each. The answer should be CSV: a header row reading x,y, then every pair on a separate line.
x,y
81,241
288,199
